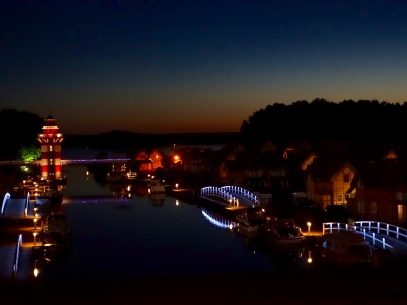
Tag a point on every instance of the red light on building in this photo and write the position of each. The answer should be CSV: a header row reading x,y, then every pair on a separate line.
x,y
50,140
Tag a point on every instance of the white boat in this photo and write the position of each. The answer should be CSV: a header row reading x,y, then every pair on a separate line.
x,y
283,233
250,222
118,176
346,247
156,187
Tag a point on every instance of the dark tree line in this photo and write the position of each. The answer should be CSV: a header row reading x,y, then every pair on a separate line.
x,y
358,123
17,129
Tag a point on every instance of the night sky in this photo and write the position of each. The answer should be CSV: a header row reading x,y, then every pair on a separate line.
x,y
187,66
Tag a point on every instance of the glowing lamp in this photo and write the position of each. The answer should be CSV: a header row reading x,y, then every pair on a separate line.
x,y
309,227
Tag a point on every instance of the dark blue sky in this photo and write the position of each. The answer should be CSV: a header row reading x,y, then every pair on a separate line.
x,y
165,66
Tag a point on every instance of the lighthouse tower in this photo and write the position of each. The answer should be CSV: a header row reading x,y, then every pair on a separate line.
x,y
50,140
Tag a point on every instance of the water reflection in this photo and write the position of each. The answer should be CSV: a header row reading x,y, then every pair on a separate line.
x,y
116,237
157,199
127,237
218,220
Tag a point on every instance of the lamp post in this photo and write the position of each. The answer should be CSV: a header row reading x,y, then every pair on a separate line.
x,y
35,223
309,227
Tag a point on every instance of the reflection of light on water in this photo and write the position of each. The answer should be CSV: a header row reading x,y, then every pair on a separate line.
x,y
309,260
219,221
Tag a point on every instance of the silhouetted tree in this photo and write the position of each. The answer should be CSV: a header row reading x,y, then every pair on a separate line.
x,y
17,129
365,123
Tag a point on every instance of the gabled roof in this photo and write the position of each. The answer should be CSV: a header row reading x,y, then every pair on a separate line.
x,y
325,169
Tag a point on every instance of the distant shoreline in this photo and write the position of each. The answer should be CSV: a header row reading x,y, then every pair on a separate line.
x,y
125,139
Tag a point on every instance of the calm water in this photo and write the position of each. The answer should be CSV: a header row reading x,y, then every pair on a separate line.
x,y
128,238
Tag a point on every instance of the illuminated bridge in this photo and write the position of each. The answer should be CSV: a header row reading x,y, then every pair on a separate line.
x,y
16,207
230,196
68,161
15,257
380,235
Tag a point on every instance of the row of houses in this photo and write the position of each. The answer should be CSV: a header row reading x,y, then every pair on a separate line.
x,y
371,189
374,189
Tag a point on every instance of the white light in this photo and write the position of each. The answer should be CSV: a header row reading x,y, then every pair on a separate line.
x,y
309,227
36,272
309,260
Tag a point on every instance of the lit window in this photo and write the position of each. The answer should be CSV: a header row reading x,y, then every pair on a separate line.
x,y
339,198
50,148
401,212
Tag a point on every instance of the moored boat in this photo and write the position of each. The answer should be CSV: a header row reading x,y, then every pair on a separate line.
x,y
250,222
346,247
283,232
156,187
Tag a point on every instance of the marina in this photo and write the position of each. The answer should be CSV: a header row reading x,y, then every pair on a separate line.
x,y
167,241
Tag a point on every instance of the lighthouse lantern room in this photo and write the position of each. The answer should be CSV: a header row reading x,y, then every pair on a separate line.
x,y
50,140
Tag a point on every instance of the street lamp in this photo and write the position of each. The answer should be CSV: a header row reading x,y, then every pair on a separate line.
x,y
309,227
35,223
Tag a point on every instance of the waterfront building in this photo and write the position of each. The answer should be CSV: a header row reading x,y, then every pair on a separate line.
x,y
331,182
50,140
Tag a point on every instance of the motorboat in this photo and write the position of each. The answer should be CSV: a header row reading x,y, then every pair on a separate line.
x,y
346,247
282,232
156,187
250,222
121,176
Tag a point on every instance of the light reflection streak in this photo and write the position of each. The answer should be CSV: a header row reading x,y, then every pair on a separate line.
x,y
219,221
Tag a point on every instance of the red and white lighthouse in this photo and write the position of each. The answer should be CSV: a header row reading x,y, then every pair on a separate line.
x,y
50,140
